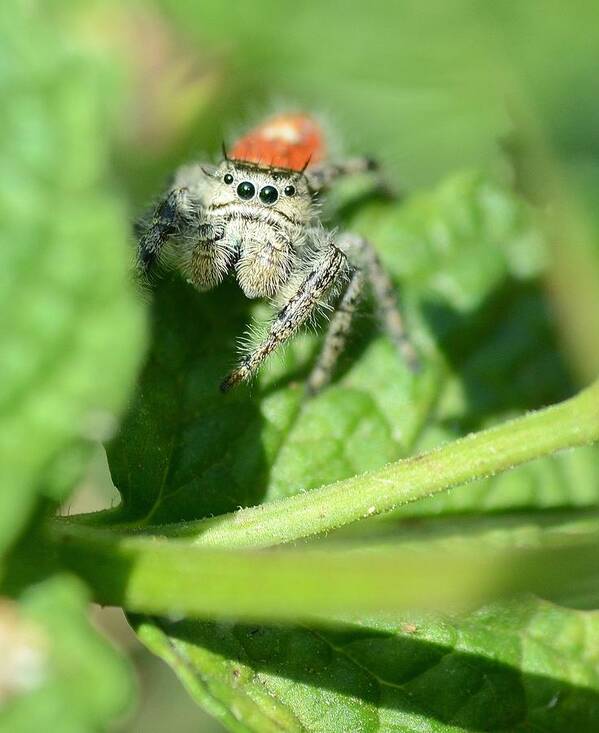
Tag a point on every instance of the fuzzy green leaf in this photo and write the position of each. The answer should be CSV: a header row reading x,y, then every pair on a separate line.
x,y
71,338
57,673
72,330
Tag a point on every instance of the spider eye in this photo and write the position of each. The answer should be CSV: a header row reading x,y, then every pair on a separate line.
x,y
289,190
228,178
269,194
246,190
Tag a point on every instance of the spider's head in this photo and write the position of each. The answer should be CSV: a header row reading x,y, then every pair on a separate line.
x,y
279,189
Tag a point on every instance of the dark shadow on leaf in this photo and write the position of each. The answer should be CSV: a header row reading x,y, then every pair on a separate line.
x,y
184,450
397,672
505,352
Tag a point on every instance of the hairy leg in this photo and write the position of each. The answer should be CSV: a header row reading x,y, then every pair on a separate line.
x,y
170,218
362,254
337,333
323,175
302,304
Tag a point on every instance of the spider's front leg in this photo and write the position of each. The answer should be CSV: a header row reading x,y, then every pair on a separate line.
x,y
298,309
322,175
176,215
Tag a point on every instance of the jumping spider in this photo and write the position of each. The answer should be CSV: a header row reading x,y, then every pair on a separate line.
x,y
255,214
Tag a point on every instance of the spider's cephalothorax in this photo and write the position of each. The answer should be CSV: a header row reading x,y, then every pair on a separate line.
x,y
254,215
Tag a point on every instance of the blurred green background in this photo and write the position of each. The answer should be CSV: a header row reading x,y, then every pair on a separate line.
x,y
510,88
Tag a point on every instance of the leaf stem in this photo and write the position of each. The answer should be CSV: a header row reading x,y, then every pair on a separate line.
x,y
176,579
574,422
178,576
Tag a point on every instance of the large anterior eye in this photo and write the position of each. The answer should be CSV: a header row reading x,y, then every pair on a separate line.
x,y
269,194
246,190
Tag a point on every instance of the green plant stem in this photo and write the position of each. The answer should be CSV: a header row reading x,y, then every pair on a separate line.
x,y
178,576
175,578
574,422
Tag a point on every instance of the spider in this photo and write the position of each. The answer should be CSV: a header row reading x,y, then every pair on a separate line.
x,y
255,215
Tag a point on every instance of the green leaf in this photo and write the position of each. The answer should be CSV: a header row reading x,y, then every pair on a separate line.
x,y
71,338
72,328
57,673
465,255
523,665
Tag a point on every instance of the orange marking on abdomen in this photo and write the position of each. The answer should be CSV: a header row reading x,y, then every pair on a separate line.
x,y
283,141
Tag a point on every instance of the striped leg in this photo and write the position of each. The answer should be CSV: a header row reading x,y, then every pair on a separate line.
x,y
169,218
337,333
324,174
296,312
363,255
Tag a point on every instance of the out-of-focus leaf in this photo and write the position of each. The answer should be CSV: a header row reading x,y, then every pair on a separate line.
x,y
56,672
523,665
424,109
72,330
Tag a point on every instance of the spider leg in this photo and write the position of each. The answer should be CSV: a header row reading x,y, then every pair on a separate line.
x,y
170,217
298,309
363,255
322,175
337,333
